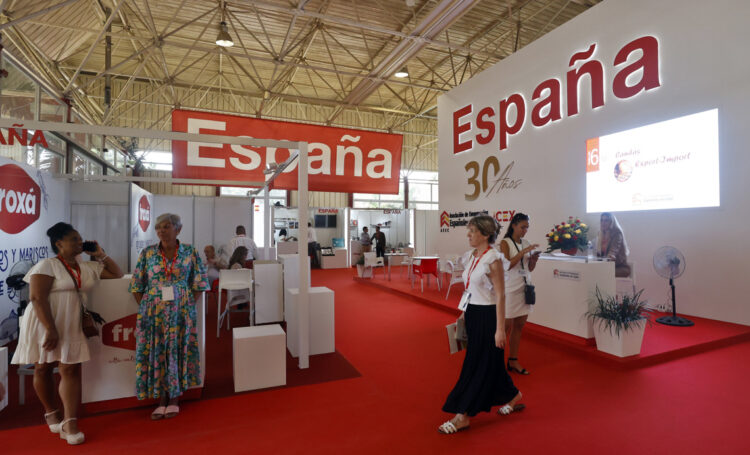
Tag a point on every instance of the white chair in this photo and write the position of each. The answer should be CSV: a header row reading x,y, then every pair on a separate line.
x,y
456,276
233,280
626,285
372,260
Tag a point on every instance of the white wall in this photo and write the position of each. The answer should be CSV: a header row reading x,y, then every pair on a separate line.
x,y
426,225
397,232
703,65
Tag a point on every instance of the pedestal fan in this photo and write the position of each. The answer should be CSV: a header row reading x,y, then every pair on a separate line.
x,y
670,263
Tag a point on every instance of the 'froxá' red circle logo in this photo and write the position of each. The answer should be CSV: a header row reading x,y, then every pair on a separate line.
x,y
144,213
19,199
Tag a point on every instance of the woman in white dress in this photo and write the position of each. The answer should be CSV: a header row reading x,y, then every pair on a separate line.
x,y
483,381
522,262
51,329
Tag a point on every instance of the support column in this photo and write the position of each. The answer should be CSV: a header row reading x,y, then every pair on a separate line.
x,y
303,302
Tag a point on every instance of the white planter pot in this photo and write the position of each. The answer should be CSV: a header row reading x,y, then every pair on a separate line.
x,y
364,272
627,343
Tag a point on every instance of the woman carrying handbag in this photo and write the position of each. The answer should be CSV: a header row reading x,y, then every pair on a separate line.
x,y
52,330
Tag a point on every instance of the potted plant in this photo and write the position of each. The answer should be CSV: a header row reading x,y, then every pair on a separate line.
x,y
568,236
619,323
362,271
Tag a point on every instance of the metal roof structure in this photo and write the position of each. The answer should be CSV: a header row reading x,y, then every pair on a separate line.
x,y
128,63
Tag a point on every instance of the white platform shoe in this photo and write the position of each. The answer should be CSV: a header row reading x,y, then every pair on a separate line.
x,y
73,439
53,427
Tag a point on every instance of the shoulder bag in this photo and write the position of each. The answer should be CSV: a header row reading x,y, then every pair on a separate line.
x,y
529,291
90,320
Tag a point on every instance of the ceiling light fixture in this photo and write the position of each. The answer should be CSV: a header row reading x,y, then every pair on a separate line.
x,y
402,73
224,40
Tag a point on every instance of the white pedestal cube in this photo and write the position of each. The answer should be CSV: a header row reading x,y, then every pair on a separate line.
x,y
337,261
269,306
322,321
259,357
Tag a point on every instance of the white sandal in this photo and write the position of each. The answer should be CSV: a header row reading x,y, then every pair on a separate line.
x,y
73,439
449,428
53,427
508,409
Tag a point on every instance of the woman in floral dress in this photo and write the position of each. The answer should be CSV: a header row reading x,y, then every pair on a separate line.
x,y
166,284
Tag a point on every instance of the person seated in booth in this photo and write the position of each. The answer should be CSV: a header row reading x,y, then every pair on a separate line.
x,y
238,259
241,239
283,235
213,263
611,244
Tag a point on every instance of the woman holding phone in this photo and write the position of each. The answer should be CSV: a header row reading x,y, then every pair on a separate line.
x,y
50,330
522,258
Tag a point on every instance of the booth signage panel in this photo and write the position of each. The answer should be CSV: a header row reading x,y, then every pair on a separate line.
x,y
31,201
515,136
340,159
142,220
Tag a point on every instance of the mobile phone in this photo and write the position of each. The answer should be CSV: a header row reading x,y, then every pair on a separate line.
x,y
89,246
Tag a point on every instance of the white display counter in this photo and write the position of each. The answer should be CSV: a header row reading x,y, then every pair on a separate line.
x,y
322,321
337,261
269,306
110,374
565,287
4,377
287,247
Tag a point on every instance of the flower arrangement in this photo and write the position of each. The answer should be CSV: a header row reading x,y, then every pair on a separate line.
x,y
568,235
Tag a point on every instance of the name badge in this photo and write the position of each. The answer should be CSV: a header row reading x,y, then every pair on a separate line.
x,y
464,303
167,293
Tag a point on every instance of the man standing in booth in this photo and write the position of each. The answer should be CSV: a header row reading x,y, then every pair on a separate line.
x,y
379,239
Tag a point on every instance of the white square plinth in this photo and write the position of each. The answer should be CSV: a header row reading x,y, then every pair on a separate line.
x,y
259,356
322,321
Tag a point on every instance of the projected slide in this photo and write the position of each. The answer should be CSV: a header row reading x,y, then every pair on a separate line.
x,y
666,165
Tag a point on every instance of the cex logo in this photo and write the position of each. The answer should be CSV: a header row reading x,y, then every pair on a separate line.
x,y
144,213
19,197
120,333
445,220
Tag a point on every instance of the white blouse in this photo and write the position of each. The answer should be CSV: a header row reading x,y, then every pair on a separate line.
x,y
514,278
480,286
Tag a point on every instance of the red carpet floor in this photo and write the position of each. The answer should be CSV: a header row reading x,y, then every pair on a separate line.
x,y
692,405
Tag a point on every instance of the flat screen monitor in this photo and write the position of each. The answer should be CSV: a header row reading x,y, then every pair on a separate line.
x,y
666,165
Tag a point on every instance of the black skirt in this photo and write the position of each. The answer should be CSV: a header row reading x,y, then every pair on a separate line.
x,y
483,382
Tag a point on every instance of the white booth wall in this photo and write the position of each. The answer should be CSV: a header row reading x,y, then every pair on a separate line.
x,y
325,236
395,233
703,65
207,220
99,211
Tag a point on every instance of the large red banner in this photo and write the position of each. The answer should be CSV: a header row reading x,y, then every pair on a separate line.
x,y
340,159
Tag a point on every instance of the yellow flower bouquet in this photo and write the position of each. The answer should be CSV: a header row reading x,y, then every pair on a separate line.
x,y
568,236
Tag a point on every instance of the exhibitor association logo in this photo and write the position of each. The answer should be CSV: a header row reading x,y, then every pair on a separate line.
x,y
144,213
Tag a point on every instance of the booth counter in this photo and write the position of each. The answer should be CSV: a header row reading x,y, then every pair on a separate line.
x,y
110,374
565,288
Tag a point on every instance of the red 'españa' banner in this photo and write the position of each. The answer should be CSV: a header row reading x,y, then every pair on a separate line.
x,y
340,159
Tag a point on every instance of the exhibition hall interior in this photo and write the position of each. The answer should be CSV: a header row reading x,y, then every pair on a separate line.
x,y
369,226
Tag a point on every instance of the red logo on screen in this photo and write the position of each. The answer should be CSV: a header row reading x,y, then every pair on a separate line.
x,y
120,333
592,155
144,213
19,199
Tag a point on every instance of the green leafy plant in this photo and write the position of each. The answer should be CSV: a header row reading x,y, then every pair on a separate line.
x,y
568,235
619,314
361,260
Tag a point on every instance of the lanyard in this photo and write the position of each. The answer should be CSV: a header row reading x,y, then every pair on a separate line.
x,y
168,270
75,274
519,250
474,265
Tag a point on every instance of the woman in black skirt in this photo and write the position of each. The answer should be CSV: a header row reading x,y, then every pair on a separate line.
x,y
483,382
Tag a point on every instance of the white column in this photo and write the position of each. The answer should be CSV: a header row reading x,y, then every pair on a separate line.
x,y
266,217
303,302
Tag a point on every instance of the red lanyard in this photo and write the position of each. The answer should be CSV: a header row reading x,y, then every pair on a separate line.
x,y
474,265
168,270
75,274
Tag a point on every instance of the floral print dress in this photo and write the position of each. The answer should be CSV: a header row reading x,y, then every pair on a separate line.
x,y
167,355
